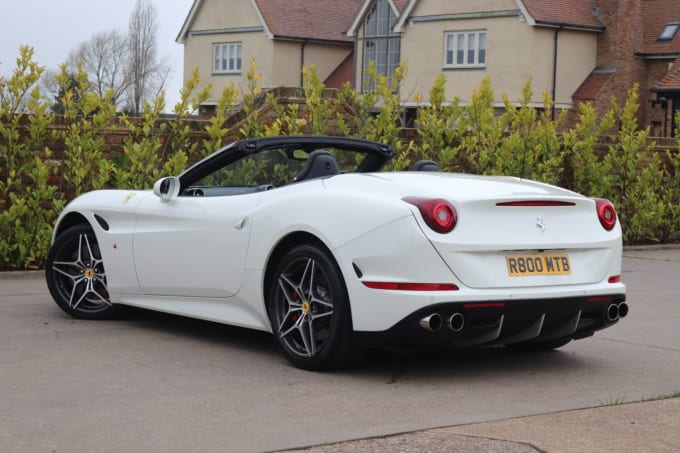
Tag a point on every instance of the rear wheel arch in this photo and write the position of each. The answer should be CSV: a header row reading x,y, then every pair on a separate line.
x,y
287,243
281,248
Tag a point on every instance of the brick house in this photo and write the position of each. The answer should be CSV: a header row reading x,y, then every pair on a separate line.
x,y
576,50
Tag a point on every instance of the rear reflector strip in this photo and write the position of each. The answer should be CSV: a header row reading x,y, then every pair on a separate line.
x,y
397,286
601,299
535,203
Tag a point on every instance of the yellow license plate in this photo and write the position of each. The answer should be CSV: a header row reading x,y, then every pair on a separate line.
x,y
538,264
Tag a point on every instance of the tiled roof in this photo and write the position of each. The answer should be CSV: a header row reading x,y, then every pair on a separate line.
x,y
404,7
655,15
326,20
671,81
576,13
342,74
593,84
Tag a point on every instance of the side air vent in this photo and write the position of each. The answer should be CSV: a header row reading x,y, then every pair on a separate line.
x,y
102,223
357,270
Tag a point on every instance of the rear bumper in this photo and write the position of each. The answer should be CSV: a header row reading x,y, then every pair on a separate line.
x,y
502,322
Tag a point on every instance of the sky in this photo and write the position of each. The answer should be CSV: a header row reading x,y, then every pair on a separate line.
x,y
56,27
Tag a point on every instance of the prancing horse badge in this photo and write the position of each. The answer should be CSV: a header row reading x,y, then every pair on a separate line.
x,y
540,224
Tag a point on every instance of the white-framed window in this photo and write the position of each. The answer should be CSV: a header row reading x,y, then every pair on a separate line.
x,y
465,49
227,57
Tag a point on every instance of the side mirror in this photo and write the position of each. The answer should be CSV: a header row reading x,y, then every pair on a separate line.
x,y
167,188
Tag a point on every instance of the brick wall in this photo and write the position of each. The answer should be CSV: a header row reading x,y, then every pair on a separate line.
x,y
117,133
616,47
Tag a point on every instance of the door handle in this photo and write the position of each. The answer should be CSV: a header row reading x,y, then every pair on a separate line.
x,y
240,224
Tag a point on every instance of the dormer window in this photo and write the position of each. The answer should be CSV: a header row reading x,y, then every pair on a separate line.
x,y
669,31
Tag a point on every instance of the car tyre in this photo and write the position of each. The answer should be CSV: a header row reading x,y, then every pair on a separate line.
x,y
75,274
309,309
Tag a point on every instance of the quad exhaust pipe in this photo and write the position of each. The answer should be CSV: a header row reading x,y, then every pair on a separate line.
x,y
456,322
612,312
616,311
434,322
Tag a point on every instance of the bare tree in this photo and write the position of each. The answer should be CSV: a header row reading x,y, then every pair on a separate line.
x,y
127,66
104,57
49,86
147,74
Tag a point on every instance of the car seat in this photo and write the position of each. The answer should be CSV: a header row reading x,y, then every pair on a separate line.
x,y
426,165
320,163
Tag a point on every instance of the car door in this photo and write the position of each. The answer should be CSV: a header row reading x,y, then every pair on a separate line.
x,y
193,246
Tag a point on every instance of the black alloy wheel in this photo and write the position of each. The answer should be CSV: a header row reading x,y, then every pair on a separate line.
x,y
75,274
309,309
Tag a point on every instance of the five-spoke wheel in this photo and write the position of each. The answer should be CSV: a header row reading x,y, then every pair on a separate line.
x,y
75,274
309,309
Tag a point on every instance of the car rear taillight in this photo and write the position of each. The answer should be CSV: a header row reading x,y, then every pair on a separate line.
x,y
606,213
535,203
439,214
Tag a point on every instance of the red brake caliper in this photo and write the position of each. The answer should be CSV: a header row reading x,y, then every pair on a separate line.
x,y
296,297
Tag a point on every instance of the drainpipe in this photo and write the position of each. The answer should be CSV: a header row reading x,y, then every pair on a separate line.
x,y
554,75
302,64
355,57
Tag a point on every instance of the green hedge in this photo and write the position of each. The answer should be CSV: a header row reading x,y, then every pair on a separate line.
x,y
522,141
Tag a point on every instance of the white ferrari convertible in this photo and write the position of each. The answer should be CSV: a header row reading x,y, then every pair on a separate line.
x,y
306,238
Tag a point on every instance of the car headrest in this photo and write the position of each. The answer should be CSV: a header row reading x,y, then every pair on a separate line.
x,y
425,165
319,163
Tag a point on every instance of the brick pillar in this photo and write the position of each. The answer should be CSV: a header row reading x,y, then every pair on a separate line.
x,y
616,48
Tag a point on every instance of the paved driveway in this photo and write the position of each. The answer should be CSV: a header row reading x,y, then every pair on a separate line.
x,y
151,382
